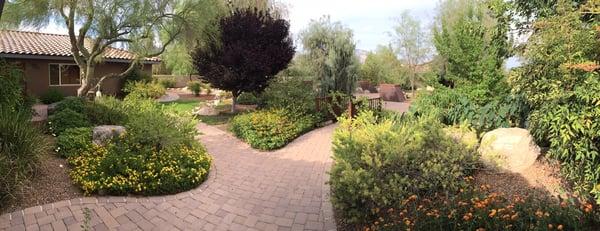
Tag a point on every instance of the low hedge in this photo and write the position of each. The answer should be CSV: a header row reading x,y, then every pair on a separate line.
x,y
270,129
125,167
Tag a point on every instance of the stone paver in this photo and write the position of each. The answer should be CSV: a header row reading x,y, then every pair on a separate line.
x,y
246,190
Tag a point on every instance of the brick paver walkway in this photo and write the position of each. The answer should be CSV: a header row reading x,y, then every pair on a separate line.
x,y
246,190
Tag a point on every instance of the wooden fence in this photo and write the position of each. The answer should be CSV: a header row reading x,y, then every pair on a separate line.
x,y
349,105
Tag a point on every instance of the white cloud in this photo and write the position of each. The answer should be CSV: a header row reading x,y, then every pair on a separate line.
x,y
369,19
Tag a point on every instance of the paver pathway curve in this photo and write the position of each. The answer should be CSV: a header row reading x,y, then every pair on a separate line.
x,y
246,190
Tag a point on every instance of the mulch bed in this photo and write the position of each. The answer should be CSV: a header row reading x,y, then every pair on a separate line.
x,y
51,183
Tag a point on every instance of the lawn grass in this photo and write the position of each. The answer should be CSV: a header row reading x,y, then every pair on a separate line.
x,y
183,105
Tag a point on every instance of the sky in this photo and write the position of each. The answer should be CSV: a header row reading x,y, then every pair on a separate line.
x,y
371,20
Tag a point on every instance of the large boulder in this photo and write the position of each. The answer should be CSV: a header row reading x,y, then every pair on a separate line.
x,y
508,149
102,134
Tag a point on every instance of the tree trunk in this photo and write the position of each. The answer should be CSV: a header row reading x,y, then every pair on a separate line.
x,y
1,7
87,81
233,102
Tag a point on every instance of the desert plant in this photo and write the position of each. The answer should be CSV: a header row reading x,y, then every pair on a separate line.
x,y
21,144
52,96
195,87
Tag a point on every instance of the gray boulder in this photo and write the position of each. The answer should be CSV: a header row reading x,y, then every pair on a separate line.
x,y
508,149
52,108
102,134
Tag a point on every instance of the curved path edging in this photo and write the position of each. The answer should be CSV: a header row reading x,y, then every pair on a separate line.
x,y
246,190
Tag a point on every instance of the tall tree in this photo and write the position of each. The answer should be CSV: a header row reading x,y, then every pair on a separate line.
x,y
412,43
472,38
145,27
250,50
331,50
383,66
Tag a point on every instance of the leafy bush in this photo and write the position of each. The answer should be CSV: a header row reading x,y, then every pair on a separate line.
x,y
21,144
195,87
269,129
52,96
572,130
167,83
10,90
294,95
377,164
247,98
105,111
144,90
65,119
74,103
149,125
454,106
74,141
478,209
127,167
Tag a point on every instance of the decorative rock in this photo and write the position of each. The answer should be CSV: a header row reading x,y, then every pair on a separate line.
x,y
52,108
104,133
509,149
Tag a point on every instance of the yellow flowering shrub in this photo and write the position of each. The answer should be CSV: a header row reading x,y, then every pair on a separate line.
x,y
124,167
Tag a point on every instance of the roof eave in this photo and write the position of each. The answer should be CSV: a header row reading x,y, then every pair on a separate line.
x,y
67,58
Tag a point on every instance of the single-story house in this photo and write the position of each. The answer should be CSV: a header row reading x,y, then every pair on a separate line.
x,y
47,62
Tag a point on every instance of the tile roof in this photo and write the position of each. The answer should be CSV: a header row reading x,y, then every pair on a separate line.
x,y
35,43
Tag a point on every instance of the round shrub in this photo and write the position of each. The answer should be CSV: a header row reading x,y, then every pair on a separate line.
x,y
167,83
195,87
126,167
378,163
247,98
74,141
65,119
74,103
144,90
52,96
105,111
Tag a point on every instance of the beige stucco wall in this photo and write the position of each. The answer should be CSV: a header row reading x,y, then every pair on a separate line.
x,y
37,76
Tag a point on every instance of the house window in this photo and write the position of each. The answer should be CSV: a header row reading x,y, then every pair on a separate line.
x,y
64,74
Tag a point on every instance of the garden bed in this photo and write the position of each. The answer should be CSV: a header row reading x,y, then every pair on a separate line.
x,y
50,183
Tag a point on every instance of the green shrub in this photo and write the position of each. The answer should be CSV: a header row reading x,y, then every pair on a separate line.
x,y
52,96
150,125
294,95
247,98
126,167
269,129
195,87
144,90
167,83
65,119
454,106
21,144
74,103
11,91
74,141
377,164
105,111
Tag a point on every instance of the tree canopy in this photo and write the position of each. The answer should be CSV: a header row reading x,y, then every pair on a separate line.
x,y
251,48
